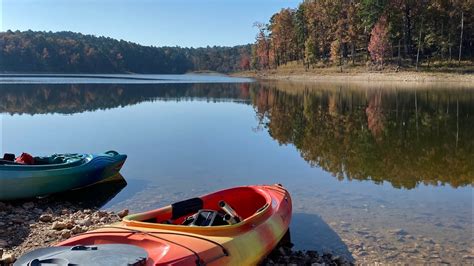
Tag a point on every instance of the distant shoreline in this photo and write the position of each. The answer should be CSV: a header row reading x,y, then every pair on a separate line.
x,y
348,76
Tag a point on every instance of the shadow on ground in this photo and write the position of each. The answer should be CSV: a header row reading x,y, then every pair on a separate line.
x,y
311,232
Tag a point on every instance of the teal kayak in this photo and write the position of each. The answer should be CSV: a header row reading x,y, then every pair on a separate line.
x,y
56,173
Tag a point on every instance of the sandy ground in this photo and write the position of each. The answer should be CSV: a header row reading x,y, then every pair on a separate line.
x,y
402,76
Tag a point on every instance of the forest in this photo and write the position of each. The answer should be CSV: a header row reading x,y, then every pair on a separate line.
x,y
69,52
377,32
318,33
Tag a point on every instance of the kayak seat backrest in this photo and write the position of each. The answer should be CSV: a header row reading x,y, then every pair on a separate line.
x,y
186,207
9,157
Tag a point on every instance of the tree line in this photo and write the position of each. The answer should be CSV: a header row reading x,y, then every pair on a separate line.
x,y
69,52
338,32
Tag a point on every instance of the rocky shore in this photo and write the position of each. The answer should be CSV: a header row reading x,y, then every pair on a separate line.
x,y
299,74
31,225
25,226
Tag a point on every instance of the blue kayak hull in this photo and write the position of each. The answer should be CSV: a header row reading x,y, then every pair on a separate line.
x,y
28,181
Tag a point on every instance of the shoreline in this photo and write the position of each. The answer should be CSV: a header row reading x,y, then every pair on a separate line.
x,y
328,75
26,226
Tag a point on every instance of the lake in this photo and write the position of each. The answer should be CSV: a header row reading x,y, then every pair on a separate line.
x,y
377,172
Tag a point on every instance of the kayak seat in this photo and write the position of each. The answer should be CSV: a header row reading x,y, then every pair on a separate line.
x,y
9,157
246,201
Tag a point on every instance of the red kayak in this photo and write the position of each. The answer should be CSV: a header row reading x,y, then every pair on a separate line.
x,y
236,226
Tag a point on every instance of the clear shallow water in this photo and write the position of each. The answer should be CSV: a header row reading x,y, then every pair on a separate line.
x,y
360,162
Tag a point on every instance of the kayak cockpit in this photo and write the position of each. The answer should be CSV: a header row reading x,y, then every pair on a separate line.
x,y
55,161
227,207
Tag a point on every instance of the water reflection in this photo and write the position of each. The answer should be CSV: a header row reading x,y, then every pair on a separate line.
x,y
401,136
405,137
77,98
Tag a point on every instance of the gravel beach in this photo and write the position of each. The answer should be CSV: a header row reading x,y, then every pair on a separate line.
x,y
25,226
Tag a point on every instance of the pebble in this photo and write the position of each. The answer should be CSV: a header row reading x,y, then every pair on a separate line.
x,y
77,229
28,205
7,259
65,234
123,213
59,226
46,218
399,232
84,222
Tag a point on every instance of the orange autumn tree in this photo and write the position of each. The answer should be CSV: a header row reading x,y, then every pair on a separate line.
x,y
379,40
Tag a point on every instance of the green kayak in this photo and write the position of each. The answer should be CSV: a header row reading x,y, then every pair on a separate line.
x,y
56,173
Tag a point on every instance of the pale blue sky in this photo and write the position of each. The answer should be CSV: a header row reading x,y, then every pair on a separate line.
x,y
193,23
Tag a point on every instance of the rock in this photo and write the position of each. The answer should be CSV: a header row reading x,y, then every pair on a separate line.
x,y
77,230
59,226
87,211
28,205
65,234
123,213
3,243
69,224
399,232
46,218
7,259
101,214
84,222
17,220
468,257
345,224
64,211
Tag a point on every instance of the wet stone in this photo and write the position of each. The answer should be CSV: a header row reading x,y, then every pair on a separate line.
x,y
46,218
123,213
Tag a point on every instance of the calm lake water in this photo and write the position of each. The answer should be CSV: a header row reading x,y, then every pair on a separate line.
x,y
377,172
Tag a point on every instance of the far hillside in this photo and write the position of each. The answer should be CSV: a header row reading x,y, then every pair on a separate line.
x,y
69,52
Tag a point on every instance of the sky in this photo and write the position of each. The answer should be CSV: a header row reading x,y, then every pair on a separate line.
x,y
189,23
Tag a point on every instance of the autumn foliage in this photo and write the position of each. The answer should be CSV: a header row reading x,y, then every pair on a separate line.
x,y
340,32
379,41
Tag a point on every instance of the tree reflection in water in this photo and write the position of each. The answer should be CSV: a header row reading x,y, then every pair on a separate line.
x,y
402,136
405,137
